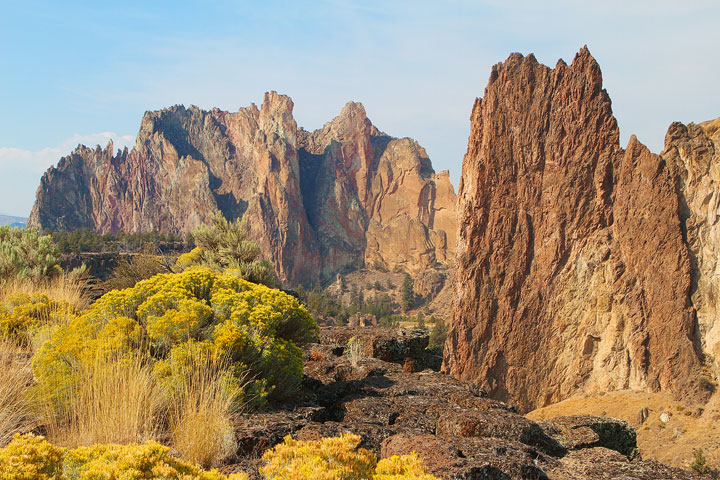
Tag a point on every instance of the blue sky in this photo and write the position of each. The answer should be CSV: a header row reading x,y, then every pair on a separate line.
x,y
83,72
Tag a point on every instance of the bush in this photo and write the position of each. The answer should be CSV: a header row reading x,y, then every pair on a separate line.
x,y
25,254
699,463
438,334
327,459
335,459
21,314
175,316
134,268
401,468
222,245
29,457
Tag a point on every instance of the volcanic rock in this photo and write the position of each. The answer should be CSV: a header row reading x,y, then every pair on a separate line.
x,y
581,267
453,427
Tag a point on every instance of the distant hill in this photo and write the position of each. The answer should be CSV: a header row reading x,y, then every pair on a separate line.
x,y
12,221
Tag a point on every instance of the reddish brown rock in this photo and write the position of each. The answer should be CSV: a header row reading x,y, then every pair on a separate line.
x,y
315,202
574,273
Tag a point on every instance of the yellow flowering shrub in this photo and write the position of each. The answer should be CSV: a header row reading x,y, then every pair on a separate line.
x,y
337,458
21,314
403,467
188,259
252,327
28,457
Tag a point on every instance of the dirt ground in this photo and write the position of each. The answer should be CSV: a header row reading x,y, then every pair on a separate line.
x,y
688,426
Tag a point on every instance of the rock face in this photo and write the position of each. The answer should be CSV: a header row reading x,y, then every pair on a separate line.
x,y
315,202
581,267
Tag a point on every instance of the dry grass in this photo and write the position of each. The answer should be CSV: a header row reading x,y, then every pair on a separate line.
x,y
68,288
690,426
115,401
15,377
202,414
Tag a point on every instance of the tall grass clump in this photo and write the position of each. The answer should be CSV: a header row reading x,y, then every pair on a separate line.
x,y
70,288
16,412
113,400
202,412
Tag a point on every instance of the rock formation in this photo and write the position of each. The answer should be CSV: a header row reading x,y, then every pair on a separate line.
x,y
581,267
397,406
316,202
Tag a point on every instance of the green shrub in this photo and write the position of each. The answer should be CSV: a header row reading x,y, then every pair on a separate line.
x,y
699,463
407,293
26,254
172,317
223,245
29,457
439,332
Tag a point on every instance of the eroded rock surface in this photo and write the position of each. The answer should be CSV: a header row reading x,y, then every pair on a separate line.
x,y
316,202
581,266
452,425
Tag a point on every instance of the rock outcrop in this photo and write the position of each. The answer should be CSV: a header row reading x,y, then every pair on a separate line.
x,y
316,202
453,427
581,267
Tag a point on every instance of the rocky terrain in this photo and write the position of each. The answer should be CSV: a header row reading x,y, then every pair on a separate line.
x,y
668,430
397,403
316,202
582,267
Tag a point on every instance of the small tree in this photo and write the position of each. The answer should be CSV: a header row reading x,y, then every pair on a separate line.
x,y
439,332
421,320
407,293
223,245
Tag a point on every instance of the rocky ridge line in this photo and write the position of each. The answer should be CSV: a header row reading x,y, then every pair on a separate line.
x,y
316,202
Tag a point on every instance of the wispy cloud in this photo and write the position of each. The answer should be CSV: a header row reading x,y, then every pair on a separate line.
x,y
23,168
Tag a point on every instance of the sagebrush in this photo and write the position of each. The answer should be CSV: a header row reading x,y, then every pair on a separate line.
x,y
175,317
